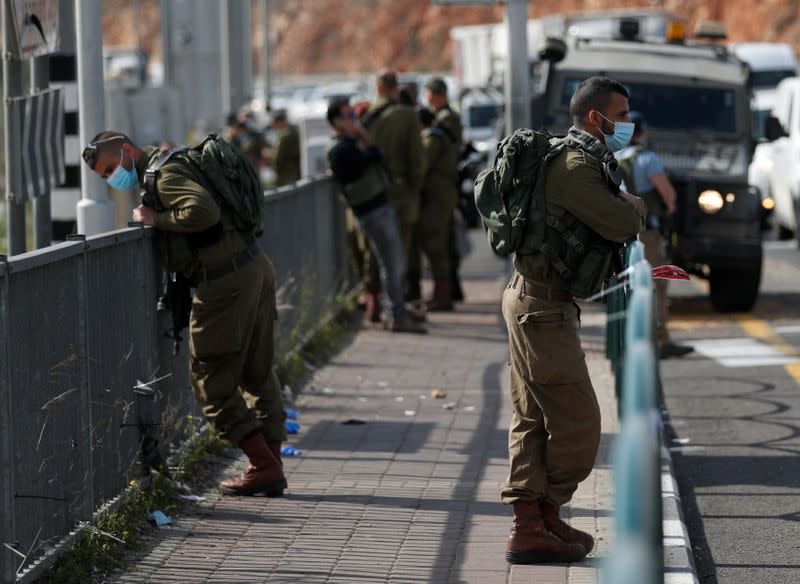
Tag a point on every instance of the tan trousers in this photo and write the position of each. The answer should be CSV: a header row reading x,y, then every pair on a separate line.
x,y
232,351
655,252
555,426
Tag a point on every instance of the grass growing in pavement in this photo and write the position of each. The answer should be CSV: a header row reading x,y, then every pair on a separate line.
x,y
96,554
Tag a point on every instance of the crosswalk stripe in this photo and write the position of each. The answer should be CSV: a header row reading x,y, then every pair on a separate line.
x,y
761,329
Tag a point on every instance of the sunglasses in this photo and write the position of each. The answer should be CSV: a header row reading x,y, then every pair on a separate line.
x,y
89,153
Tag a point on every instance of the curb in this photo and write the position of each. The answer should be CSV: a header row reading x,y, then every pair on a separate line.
x,y
679,565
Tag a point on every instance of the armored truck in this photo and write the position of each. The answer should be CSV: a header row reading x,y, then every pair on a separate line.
x,y
695,98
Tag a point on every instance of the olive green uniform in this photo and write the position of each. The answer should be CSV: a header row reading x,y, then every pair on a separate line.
x,y
233,316
555,427
287,156
396,130
450,121
250,143
439,200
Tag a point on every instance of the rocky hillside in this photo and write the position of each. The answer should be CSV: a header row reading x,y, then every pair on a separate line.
x,y
342,36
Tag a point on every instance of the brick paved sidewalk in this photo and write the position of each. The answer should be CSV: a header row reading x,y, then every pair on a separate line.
x,y
411,495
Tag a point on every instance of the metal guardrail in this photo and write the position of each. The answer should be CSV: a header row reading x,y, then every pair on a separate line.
x,y
79,333
637,555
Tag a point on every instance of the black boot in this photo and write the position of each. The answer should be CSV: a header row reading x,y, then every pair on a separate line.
x,y
456,292
413,292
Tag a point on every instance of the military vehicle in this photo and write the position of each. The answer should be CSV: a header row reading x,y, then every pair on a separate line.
x,y
696,100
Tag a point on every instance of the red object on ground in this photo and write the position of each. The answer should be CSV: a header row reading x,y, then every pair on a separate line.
x,y
669,272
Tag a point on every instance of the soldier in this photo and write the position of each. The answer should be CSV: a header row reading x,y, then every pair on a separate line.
x,y
286,155
645,177
450,122
241,132
233,311
356,163
439,200
394,128
555,426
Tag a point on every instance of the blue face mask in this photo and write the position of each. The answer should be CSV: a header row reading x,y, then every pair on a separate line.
x,y
623,132
122,179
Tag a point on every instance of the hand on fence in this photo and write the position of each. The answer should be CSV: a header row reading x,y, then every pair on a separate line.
x,y
146,215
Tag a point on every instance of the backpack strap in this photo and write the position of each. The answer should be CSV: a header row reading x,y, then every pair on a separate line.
x,y
151,175
370,117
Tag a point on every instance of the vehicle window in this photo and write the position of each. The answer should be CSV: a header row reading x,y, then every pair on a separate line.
x,y
759,120
671,107
769,79
483,116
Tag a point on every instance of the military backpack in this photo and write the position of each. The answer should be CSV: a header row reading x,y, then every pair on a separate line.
x,y
510,198
226,174
510,195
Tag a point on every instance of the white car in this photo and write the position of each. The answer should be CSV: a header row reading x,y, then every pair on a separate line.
x,y
769,63
781,159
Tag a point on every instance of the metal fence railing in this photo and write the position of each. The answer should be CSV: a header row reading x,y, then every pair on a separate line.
x,y
637,555
79,334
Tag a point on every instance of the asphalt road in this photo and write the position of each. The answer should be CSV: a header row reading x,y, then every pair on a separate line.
x,y
734,424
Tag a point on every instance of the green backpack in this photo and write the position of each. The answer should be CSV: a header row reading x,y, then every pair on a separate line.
x,y
510,196
226,173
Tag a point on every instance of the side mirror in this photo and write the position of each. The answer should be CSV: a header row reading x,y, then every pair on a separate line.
x,y
773,129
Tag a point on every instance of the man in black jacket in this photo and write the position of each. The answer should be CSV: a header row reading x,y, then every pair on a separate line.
x,y
357,165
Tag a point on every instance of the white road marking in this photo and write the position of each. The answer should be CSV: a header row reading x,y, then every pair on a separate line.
x,y
741,352
787,329
780,245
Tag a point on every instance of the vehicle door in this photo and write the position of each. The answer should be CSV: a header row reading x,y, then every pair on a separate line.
x,y
782,151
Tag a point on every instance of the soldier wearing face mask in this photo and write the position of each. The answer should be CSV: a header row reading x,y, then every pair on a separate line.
x,y
233,312
555,427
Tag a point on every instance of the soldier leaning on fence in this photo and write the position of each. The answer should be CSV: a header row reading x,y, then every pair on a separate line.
x,y
555,427
233,311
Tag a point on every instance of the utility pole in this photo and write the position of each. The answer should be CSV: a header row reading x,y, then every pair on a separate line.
x,y
12,87
237,60
517,78
95,211
266,73
42,215
167,60
225,55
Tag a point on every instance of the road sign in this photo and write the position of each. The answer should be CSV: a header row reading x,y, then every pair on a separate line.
x,y
41,123
36,27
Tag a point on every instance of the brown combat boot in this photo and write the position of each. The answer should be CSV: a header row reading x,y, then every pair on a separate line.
x,y
552,521
531,542
442,300
263,475
275,449
373,306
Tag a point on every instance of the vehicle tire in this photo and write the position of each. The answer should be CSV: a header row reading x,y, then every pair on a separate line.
x,y
734,290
